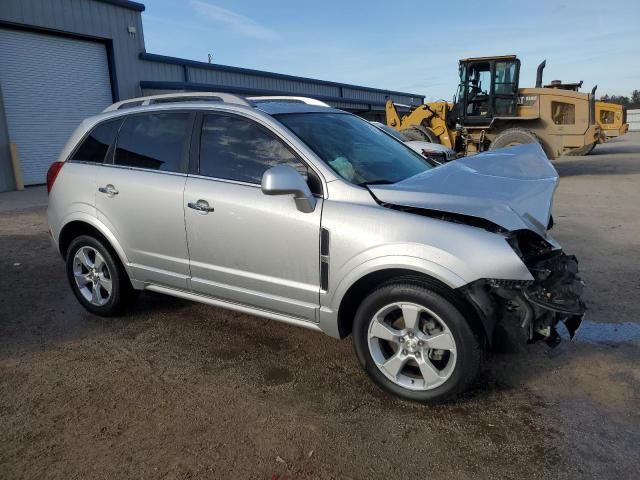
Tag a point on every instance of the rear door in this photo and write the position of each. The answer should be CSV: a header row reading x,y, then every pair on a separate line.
x,y
140,195
247,247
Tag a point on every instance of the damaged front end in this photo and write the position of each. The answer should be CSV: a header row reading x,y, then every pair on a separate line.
x,y
519,311
508,192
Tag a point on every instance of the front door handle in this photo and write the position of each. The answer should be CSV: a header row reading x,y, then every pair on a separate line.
x,y
201,206
109,190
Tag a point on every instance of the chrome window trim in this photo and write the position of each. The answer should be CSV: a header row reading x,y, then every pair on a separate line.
x,y
263,119
226,180
237,182
126,167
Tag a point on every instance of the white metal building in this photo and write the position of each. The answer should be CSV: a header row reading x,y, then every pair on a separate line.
x,y
633,119
64,60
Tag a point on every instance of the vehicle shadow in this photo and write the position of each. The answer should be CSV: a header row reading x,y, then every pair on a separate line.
x,y
37,307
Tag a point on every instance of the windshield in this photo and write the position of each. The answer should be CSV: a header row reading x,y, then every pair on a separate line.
x,y
356,150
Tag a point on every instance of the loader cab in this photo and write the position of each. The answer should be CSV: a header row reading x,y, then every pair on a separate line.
x,y
488,88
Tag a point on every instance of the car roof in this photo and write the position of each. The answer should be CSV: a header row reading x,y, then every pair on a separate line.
x,y
268,108
280,107
270,105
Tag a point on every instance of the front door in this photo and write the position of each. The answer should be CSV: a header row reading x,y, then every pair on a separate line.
x,y
140,196
477,92
246,247
488,89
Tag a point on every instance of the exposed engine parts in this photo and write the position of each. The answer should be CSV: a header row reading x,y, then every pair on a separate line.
x,y
557,287
528,311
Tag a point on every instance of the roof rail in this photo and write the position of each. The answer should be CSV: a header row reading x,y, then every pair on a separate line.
x,y
177,97
307,100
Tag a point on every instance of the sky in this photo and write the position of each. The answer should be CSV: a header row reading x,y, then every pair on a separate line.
x,y
409,45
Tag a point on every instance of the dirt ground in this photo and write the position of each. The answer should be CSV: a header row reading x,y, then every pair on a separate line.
x,y
180,390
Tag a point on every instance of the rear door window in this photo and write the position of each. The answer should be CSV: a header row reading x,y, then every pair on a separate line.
x,y
233,148
94,148
155,141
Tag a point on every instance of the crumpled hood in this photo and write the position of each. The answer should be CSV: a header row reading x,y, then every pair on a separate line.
x,y
512,187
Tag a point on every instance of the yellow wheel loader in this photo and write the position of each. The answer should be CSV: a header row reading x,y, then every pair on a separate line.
x,y
612,119
490,111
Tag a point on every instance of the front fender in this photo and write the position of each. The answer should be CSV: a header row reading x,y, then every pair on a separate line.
x,y
456,270
330,302
388,262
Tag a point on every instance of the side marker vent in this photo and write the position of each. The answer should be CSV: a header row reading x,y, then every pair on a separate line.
x,y
324,259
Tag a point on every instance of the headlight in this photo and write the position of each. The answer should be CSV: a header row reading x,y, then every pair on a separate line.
x,y
529,245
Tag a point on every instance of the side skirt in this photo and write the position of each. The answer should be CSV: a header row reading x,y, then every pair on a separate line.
x,y
194,297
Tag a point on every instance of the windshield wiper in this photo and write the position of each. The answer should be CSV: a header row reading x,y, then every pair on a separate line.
x,y
380,181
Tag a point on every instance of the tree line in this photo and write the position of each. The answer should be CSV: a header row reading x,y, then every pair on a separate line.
x,y
631,102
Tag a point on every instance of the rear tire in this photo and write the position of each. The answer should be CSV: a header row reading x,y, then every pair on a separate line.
x,y
97,277
415,343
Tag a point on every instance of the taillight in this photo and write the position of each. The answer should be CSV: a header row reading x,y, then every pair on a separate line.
x,y
52,174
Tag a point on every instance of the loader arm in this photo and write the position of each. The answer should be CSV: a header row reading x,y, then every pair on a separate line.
x,y
393,118
431,117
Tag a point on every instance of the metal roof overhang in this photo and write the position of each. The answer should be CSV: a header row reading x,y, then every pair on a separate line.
x,y
367,104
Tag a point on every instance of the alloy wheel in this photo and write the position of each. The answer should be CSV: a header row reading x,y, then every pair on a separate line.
x,y
92,276
412,346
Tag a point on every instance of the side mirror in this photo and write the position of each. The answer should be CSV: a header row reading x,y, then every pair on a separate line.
x,y
285,180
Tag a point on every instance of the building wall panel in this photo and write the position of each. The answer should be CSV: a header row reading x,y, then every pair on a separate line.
x,y
91,18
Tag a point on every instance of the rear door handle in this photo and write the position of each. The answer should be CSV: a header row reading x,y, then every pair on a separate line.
x,y
201,206
109,190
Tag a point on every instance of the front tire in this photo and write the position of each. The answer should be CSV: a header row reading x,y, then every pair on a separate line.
x,y
420,133
582,151
97,278
512,137
416,343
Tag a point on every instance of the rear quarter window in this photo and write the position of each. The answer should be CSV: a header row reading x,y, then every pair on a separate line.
x,y
95,146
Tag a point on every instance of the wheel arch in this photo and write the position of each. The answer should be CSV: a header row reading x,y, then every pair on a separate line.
x,y
358,291
85,226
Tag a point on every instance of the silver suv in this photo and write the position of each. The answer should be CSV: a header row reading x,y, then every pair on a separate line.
x,y
295,211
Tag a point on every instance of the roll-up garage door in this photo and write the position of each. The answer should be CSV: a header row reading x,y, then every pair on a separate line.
x,y
49,85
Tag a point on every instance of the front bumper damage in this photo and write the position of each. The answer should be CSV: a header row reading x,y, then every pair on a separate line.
x,y
519,312
558,290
